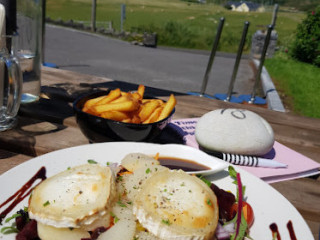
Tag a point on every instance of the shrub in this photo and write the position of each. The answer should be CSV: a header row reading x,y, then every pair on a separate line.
x,y
227,6
306,47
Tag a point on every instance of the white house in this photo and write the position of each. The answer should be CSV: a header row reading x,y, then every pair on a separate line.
x,y
243,6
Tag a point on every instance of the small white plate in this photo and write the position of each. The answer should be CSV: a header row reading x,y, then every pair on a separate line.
x,y
269,206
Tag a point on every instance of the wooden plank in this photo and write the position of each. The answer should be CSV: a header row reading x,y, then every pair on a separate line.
x,y
34,137
304,194
9,160
56,76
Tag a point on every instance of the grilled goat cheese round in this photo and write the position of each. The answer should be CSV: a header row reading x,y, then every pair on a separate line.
x,y
175,205
76,198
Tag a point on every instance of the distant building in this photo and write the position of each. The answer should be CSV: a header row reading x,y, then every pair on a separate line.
x,y
243,6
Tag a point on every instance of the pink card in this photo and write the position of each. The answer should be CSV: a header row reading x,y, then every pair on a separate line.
x,y
298,165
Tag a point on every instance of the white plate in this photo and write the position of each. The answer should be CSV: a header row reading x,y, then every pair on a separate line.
x,y
269,205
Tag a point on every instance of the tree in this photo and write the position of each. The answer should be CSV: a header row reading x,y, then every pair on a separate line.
x,y
306,47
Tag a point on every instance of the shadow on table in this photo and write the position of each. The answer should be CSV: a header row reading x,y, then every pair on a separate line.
x,y
55,105
70,92
48,114
5,154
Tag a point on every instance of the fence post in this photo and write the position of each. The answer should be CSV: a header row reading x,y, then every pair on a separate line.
x,y
123,16
274,15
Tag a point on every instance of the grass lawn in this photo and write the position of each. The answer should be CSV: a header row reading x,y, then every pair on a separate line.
x,y
298,84
178,23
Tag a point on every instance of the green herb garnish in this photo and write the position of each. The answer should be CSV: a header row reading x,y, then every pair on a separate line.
x,y
233,174
13,217
121,204
166,221
206,181
91,161
115,218
9,230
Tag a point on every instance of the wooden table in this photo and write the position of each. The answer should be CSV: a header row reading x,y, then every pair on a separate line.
x,y
49,125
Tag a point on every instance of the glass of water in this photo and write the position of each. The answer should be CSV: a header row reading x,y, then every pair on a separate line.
x,y
10,88
28,46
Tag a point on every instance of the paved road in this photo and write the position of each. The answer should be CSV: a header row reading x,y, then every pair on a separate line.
x,y
167,68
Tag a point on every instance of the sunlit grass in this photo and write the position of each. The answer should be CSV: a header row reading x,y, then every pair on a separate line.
x,y
299,81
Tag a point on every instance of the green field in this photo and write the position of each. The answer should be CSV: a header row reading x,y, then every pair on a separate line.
x,y
178,23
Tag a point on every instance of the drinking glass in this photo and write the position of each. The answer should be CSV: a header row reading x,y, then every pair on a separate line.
x,y
10,88
28,46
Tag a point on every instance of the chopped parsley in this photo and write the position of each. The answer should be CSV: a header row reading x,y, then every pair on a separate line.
x,y
115,218
166,221
91,161
121,204
119,178
46,203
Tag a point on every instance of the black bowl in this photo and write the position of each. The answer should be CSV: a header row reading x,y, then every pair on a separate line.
x,y
98,129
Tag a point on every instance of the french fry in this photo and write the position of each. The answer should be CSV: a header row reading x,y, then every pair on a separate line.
x,y
128,120
168,107
147,109
90,111
136,95
121,99
135,119
115,115
141,90
130,107
125,106
113,94
154,116
144,101
159,101
91,102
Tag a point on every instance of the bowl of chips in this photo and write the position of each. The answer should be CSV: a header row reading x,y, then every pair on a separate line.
x,y
122,116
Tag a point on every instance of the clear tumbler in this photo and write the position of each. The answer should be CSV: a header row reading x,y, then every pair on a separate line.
x,y
28,46
10,89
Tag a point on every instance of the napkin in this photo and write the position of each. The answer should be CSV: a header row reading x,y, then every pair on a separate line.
x,y
182,131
